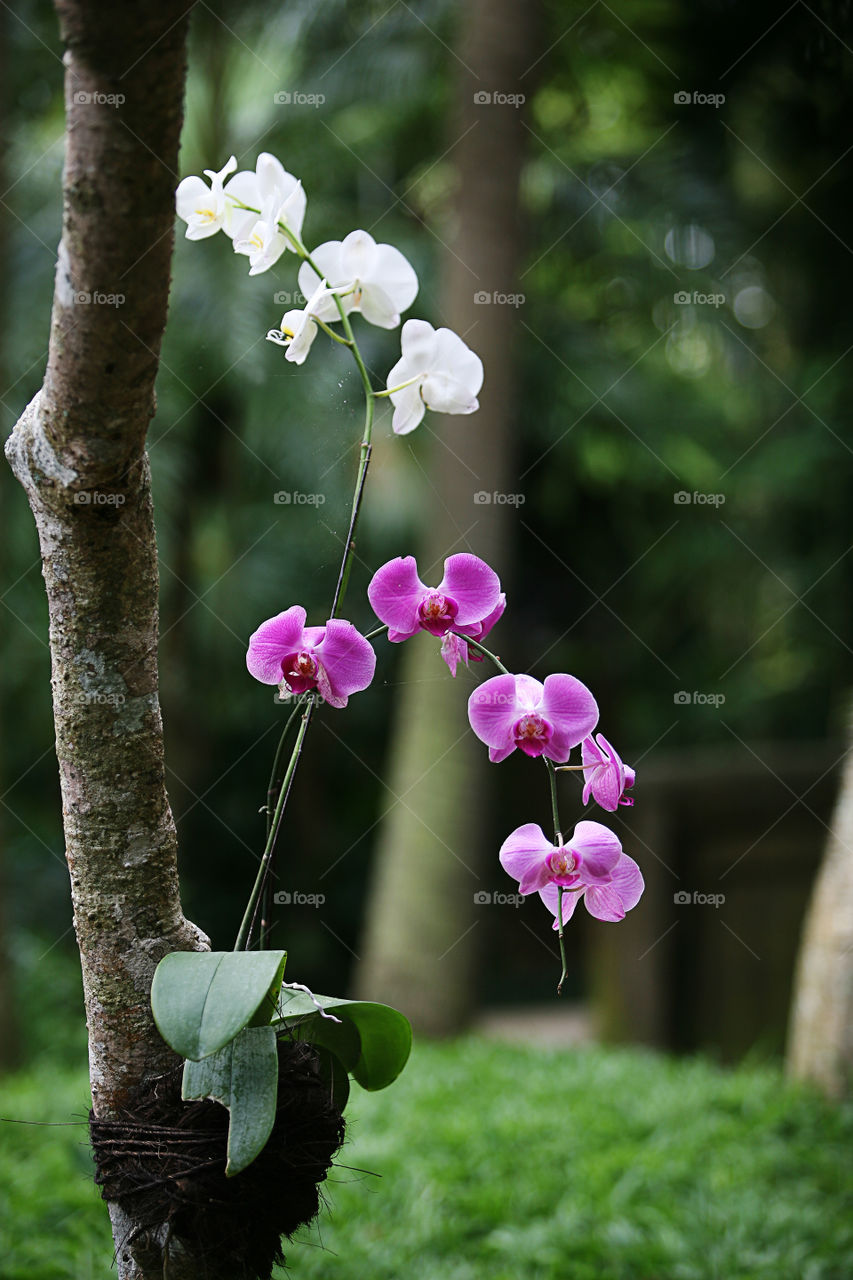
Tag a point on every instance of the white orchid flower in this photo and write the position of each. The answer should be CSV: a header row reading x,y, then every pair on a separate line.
x,y
281,200
208,209
436,371
383,281
299,328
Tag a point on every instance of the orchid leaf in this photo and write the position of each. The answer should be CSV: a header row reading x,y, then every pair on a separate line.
x,y
202,999
243,1076
373,1041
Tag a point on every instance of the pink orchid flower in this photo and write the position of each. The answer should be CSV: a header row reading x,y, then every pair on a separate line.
x,y
334,659
591,866
467,594
540,719
605,776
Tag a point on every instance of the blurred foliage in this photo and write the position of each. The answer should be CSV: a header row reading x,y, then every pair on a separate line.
x,y
654,1168
629,397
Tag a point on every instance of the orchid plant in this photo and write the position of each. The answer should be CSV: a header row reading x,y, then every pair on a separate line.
x,y
223,1010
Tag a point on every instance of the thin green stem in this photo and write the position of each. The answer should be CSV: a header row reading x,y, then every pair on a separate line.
x,y
378,395
248,917
560,893
475,644
272,792
345,342
555,812
343,576
558,839
377,631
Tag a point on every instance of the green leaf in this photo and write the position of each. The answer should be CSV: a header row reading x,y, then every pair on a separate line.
x,y
373,1041
244,1078
202,999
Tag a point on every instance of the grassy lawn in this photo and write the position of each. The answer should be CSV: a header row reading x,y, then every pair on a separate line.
x,y
511,1164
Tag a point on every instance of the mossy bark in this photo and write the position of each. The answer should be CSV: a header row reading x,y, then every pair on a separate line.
x,y
79,452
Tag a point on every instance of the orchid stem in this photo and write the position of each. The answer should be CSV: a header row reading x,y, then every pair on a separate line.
x,y
558,839
377,631
561,891
263,935
247,924
475,644
249,915
555,812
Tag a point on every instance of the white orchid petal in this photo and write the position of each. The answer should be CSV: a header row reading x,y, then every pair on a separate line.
x,y
377,308
358,254
409,409
455,358
418,343
273,179
395,275
445,394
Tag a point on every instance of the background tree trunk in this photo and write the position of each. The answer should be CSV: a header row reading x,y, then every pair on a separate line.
x,y
820,1046
420,939
79,452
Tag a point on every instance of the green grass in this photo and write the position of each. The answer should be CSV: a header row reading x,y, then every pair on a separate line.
x,y
511,1164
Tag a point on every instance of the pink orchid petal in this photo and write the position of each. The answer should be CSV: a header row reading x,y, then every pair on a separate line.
x,y
528,693
493,618
497,754
347,660
492,711
522,855
472,584
604,903
395,591
454,651
627,880
273,641
550,895
572,711
598,849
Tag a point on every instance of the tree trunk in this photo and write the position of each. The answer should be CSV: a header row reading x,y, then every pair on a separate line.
x,y
421,938
9,1039
79,452
820,1045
